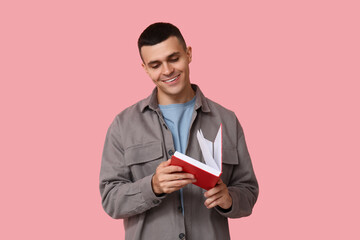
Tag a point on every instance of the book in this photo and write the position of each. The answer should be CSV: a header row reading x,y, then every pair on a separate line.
x,y
208,174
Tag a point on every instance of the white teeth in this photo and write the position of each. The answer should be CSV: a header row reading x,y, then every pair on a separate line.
x,y
171,80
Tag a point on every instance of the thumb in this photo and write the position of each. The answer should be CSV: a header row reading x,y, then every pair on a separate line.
x,y
166,163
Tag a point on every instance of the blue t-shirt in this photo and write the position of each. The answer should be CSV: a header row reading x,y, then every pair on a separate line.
x,y
178,119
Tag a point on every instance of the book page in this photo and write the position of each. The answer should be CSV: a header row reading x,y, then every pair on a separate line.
x,y
209,160
197,163
208,143
218,148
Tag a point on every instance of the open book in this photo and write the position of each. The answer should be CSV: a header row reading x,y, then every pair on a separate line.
x,y
207,175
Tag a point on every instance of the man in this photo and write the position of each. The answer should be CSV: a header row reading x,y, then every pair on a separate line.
x,y
137,182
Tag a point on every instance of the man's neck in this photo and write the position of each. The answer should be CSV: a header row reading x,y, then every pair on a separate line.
x,y
186,96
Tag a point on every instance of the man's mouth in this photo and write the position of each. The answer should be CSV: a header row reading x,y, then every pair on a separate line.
x,y
172,79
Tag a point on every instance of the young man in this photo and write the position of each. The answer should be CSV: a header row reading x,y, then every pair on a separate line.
x,y
137,182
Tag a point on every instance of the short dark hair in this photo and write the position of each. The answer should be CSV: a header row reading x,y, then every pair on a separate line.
x,y
159,32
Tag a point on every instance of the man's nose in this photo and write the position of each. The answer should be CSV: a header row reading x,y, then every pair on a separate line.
x,y
167,69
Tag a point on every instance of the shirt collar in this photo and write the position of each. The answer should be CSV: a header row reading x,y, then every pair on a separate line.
x,y
200,102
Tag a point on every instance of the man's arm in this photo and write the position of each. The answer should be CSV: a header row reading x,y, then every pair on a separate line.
x,y
122,198
239,197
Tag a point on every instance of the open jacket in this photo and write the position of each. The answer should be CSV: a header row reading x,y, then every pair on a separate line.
x,y
138,140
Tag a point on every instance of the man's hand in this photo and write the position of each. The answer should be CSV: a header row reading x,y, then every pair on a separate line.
x,y
168,179
218,196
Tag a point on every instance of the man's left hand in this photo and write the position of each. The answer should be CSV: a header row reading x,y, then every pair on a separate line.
x,y
218,196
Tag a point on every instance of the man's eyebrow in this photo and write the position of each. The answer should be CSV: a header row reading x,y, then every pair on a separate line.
x,y
170,56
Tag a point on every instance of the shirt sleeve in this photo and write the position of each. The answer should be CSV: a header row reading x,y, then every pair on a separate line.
x,y
243,186
122,198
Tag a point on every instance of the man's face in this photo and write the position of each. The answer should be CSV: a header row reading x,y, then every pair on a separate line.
x,y
167,64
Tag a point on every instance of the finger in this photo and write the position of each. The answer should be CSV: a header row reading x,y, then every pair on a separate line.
x,y
172,186
165,163
175,177
221,199
180,176
214,190
169,169
180,183
213,201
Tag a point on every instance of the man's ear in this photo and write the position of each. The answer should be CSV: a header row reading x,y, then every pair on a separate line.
x,y
144,67
189,53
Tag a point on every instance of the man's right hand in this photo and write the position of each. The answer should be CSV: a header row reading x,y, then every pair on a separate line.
x,y
168,178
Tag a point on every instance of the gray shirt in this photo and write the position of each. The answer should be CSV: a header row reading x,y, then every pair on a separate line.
x,y
138,140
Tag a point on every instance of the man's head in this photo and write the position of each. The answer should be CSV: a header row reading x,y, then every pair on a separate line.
x,y
157,33
166,59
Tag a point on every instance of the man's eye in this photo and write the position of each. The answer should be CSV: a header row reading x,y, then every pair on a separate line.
x,y
155,66
174,59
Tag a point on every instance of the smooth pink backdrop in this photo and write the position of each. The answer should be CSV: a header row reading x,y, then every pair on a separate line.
x,y
289,70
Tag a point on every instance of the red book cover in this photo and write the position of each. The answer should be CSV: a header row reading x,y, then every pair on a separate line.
x,y
208,174
204,178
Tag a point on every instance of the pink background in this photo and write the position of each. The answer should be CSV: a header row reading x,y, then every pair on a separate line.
x,y
289,69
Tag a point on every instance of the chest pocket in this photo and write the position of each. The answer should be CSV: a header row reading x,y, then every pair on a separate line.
x,y
143,159
229,161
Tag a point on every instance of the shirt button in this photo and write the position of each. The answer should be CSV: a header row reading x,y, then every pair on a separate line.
x,y
182,236
171,152
180,209
156,201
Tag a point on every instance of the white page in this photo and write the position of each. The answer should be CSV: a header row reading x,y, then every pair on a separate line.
x,y
197,163
218,148
208,143
209,160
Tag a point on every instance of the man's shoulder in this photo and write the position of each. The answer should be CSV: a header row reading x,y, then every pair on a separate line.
x,y
133,110
218,108
130,116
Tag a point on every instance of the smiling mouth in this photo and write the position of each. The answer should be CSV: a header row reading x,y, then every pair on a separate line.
x,y
172,79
